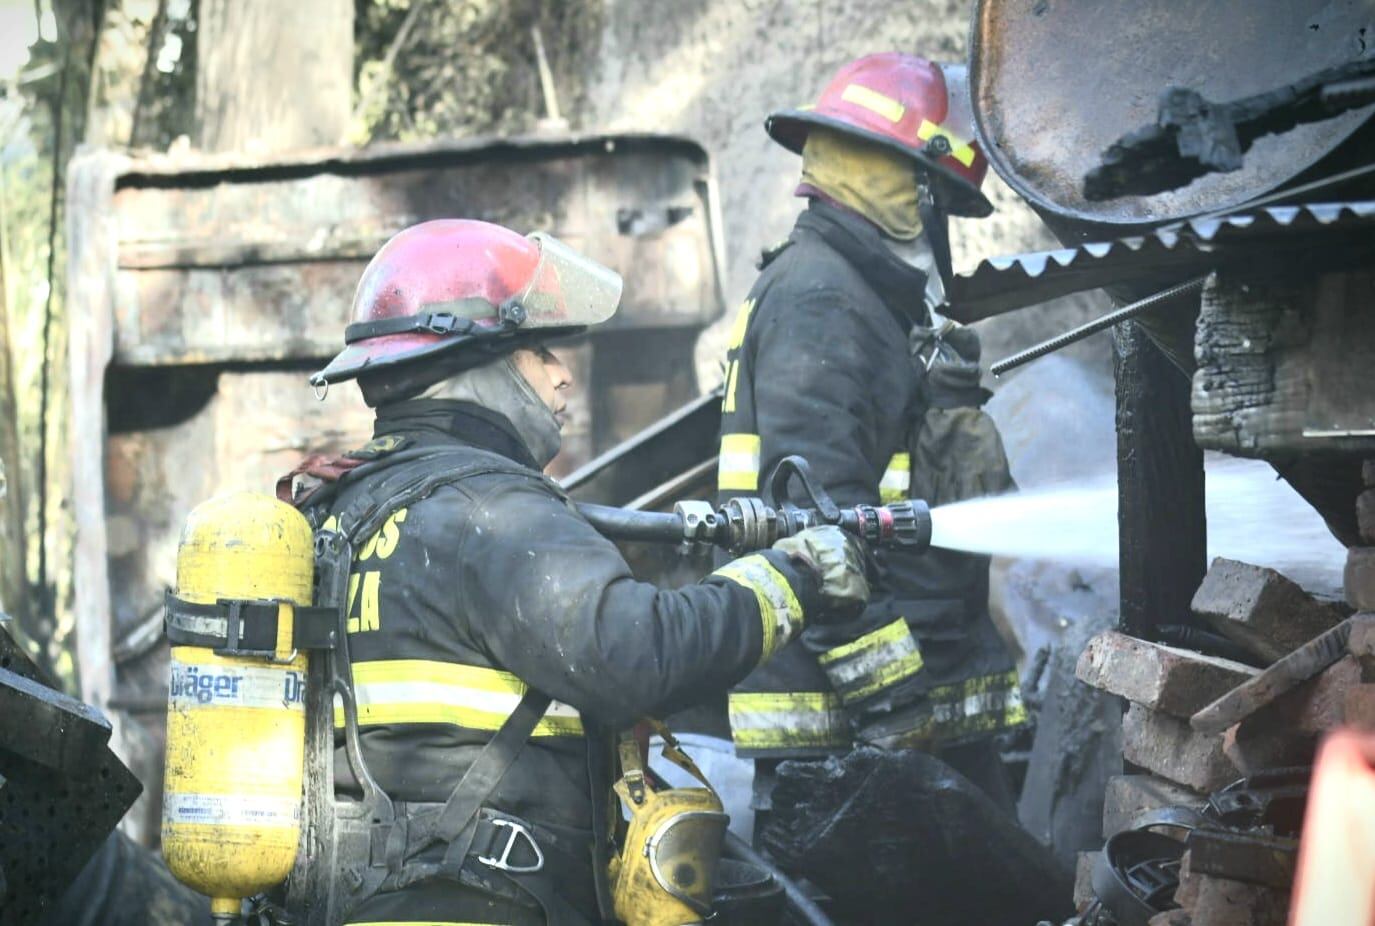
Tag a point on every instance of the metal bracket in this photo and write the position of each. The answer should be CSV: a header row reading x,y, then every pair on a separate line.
x,y
503,863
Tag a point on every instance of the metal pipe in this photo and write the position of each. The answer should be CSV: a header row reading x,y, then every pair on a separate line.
x,y
1095,326
806,909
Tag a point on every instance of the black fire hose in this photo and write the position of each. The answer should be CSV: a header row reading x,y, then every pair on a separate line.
x,y
745,524
627,524
802,905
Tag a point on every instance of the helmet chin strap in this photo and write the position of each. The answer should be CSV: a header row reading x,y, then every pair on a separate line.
x,y
500,387
937,224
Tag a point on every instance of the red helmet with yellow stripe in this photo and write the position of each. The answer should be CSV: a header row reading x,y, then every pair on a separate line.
x,y
465,291
905,103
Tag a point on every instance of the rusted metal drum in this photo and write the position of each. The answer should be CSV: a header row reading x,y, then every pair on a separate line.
x,y
1056,81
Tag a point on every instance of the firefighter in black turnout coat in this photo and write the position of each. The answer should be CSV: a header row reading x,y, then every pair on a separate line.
x,y
484,597
838,355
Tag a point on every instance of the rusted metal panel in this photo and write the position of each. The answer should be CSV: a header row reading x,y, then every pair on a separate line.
x,y
1056,81
223,260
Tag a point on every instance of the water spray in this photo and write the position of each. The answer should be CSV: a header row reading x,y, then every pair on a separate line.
x,y
1251,517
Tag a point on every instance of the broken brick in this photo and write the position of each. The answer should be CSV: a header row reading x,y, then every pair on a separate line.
x,y
1361,642
1365,515
1083,880
1171,918
1169,747
1359,709
1286,731
1252,755
1260,609
1163,678
1212,901
1128,796
1314,706
1217,902
1359,578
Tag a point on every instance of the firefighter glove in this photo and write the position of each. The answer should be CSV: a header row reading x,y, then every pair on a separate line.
x,y
837,558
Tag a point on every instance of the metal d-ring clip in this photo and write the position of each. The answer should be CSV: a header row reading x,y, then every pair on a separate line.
x,y
503,863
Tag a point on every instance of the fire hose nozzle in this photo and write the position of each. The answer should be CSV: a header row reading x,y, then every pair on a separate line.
x,y
906,524
911,523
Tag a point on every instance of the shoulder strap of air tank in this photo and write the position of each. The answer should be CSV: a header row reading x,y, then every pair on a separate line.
x,y
411,475
485,774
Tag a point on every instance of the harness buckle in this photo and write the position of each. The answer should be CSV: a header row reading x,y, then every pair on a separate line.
x,y
503,863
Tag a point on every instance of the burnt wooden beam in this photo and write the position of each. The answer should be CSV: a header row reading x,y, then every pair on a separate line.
x,y
91,237
1283,374
1284,365
1161,523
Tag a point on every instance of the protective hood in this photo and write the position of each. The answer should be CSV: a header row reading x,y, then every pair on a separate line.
x,y
878,183
499,387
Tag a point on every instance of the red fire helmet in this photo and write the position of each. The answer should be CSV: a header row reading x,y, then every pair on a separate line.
x,y
907,104
438,286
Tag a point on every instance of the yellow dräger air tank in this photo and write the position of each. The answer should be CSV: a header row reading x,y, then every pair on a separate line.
x,y
236,724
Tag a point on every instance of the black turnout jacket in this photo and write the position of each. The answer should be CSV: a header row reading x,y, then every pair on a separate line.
x,y
819,365
494,583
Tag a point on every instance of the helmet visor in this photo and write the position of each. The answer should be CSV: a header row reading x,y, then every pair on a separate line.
x,y
568,289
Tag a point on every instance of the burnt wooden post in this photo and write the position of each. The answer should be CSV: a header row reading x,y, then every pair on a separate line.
x,y
1162,532
91,236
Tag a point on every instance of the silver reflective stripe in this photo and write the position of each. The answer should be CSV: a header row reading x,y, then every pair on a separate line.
x,y
984,704
787,721
874,662
737,469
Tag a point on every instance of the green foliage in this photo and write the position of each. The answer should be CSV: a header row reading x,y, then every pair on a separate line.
x,y
423,68
142,85
466,67
46,122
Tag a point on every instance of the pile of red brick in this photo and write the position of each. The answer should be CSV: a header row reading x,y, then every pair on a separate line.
x,y
1196,723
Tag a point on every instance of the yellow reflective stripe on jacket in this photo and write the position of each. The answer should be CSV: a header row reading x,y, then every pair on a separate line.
x,y
897,479
732,378
779,610
880,659
737,338
741,325
737,470
795,720
427,691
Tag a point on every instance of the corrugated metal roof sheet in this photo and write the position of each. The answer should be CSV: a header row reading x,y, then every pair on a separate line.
x,y
1172,253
